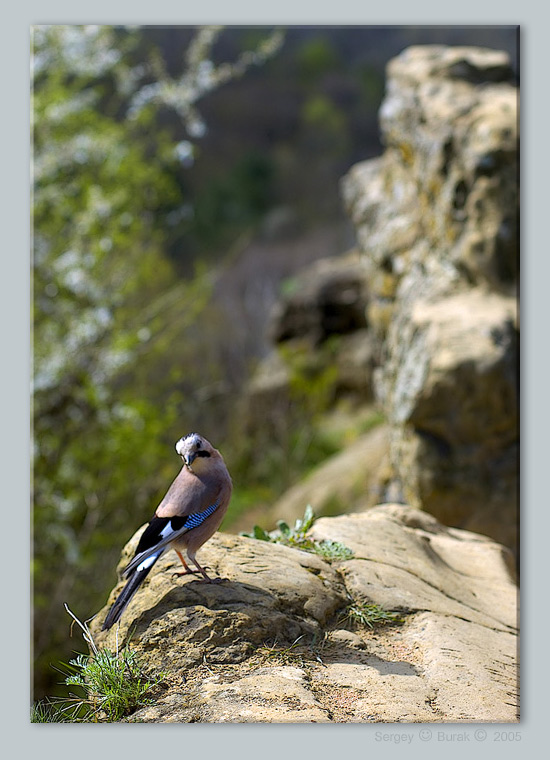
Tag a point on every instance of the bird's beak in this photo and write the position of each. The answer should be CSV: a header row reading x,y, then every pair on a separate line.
x,y
188,459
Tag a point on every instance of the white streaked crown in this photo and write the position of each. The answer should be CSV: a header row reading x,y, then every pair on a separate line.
x,y
188,443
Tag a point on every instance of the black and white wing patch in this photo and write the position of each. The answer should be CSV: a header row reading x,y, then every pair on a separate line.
x,y
160,532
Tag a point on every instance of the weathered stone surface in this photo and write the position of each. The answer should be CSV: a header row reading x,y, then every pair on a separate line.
x,y
437,223
424,567
232,651
354,361
449,174
274,592
452,397
455,654
267,695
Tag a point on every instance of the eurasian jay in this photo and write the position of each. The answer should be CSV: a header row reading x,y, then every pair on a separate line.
x,y
186,518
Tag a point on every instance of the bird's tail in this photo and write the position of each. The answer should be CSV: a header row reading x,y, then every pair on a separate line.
x,y
129,590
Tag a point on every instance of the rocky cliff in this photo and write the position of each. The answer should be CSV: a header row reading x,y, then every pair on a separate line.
x,y
437,225
435,276
277,641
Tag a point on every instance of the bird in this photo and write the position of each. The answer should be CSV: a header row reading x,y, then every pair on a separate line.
x,y
189,514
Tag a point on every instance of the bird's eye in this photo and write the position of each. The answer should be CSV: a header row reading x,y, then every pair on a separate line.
x,y
198,445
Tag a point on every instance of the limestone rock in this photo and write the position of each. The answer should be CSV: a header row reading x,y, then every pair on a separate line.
x,y
268,644
450,386
437,223
272,594
267,695
425,567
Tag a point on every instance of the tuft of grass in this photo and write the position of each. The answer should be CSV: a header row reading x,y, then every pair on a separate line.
x,y
113,686
296,538
297,653
283,655
114,683
361,614
48,711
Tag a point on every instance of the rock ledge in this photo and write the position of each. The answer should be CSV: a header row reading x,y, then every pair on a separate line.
x,y
231,654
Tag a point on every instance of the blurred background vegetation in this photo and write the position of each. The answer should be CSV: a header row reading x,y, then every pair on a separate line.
x,y
180,177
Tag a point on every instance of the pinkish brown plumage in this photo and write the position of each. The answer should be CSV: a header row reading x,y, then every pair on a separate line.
x,y
189,514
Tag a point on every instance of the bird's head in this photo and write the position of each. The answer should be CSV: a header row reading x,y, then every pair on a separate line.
x,y
195,448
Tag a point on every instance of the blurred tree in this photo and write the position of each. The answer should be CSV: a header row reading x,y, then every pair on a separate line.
x,y
316,57
235,200
325,124
113,363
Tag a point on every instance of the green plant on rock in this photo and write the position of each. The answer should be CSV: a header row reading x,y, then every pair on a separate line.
x,y
296,538
332,550
114,684
49,711
361,614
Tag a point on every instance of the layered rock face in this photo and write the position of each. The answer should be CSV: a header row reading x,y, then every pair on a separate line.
x,y
273,644
437,226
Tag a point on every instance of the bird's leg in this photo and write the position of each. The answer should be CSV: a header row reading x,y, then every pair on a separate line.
x,y
204,574
187,570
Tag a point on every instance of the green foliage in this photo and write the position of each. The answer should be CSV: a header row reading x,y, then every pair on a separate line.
x,y
332,550
48,711
115,339
113,685
296,537
325,127
361,614
312,378
232,201
319,112
317,57
372,85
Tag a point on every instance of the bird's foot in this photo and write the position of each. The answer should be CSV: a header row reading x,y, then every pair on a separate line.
x,y
205,577
185,572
